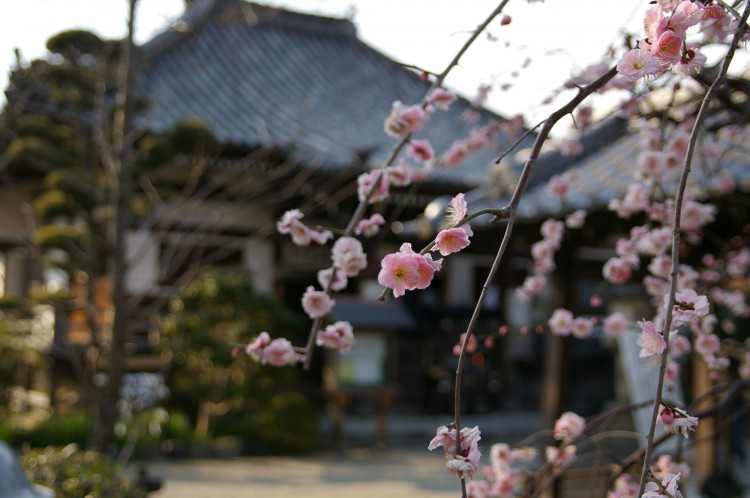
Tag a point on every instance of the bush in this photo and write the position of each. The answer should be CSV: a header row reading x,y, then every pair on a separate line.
x,y
74,474
60,430
178,426
288,423
7,432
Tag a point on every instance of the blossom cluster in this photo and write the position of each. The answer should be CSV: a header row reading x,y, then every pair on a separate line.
x,y
277,352
666,46
478,139
408,270
564,323
464,462
676,420
401,123
301,235
501,479
543,251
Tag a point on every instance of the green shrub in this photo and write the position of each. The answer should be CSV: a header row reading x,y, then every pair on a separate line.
x,y
74,474
7,432
287,424
60,235
60,430
178,426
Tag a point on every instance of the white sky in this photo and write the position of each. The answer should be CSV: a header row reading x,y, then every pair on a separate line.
x,y
558,36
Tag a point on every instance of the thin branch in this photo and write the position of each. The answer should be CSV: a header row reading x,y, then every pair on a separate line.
x,y
512,207
520,139
359,211
702,113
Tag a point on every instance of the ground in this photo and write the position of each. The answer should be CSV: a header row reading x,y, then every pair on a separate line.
x,y
360,473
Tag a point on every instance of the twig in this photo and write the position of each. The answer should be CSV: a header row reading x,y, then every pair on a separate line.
x,y
520,139
359,211
702,113
511,208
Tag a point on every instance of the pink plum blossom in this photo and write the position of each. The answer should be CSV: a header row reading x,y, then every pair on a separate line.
x,y
427,266
420,150
660,266
676,420
557,186
617,270
656,241
571,148
667,48
652,165
316,303
626,248
339,280
553,231
464,463
651,341
337,336
404,120
369,227
560,458
679,345
615,324
400,175
655,286
688,304
349,256
695,215
287,219
456,210
595,301
575,219
707,344
441,98
543,253
451,240
582,327
532,286
561,322
637,63
400,272
321,236
445,437
301,235
365,182
669,483
635,201
255,349
569,427
624,487
279,353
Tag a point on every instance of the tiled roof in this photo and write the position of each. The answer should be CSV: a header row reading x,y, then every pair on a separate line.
x,y
602,173
262,76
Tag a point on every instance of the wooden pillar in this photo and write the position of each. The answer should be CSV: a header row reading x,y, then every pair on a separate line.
x,y
552,390
705,447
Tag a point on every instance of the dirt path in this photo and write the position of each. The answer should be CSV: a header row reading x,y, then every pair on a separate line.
x,y
353,474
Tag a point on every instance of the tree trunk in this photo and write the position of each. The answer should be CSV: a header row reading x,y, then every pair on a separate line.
x,y
119,163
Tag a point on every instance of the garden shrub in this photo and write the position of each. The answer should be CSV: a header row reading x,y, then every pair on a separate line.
x,y
287,424
72,473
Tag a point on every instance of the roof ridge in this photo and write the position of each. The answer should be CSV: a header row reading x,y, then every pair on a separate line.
x,y
200,12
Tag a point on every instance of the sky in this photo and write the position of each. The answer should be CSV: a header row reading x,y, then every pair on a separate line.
x,y
557,37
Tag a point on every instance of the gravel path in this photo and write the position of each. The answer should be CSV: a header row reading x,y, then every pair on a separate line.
x,y
358,473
